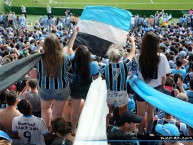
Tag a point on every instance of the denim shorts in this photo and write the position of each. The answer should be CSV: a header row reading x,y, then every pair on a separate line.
x,y
57,94
118,97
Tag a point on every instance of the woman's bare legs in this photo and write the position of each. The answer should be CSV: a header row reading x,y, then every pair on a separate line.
x,y
75,113
150,115
46,111
141,108
57,109
122,109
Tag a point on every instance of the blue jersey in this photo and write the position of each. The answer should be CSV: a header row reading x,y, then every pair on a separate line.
x,y
94,68
116,75
182,72
53,83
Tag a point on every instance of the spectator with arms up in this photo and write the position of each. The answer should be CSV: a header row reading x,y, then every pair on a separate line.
x,y
115,73
84,70
32,96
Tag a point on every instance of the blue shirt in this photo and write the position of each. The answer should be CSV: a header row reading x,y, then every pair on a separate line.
x,y
182,72
53,83
94,69
190,96
116,75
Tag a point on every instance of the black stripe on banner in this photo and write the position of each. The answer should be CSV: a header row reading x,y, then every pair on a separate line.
x,y
47,83
110,76
63,81
119,76
95,44
40,73
126,74
56,83
126,71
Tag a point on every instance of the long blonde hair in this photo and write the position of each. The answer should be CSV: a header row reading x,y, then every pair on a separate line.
x,y
115,53
53,56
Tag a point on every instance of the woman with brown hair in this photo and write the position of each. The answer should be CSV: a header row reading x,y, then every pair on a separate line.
x,y
53,82
153,67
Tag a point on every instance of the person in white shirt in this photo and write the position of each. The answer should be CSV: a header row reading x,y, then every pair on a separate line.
x,y
23,10
22,21
152,69
132,22
49,11
30,129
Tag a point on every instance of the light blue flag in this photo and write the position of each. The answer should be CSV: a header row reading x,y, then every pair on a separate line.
x,y
102,26
113,16
180,109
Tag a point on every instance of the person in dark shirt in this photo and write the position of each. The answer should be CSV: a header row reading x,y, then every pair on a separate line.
x,y
127,130
63,132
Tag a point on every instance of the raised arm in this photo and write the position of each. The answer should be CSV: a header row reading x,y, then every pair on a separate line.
x,y
132,49
71,43
180,85
33,74
25,89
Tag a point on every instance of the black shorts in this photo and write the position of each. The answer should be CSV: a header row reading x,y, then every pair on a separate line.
x,y
138,98
79,90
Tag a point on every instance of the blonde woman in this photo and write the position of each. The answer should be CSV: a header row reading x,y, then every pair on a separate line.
x,y
115,73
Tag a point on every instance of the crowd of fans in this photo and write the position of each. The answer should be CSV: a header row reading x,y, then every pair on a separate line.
x,y
130,117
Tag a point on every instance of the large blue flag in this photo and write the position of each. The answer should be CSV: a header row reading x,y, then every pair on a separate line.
x,y
180,109
101,26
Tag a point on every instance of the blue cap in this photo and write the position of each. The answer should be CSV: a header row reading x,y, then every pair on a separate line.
x,y
171,63
183,54
5,136
167,129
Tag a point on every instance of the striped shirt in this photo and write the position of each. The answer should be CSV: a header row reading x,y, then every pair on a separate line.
x,y
53,83
116,75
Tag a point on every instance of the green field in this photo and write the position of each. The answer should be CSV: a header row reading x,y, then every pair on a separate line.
x,y
126,4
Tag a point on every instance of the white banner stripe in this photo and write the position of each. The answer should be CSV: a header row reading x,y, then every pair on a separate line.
x,y
103,31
